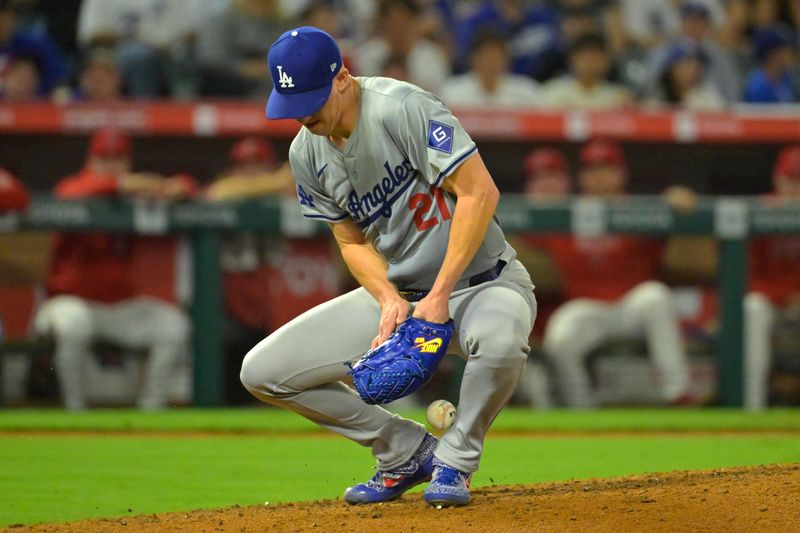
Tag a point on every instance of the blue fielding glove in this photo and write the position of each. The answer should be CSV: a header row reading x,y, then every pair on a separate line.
x,y
402,364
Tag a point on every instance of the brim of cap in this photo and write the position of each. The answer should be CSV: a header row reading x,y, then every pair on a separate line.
x,y
297,105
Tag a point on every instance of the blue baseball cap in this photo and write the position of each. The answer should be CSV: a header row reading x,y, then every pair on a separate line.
x,y
771,38
303,63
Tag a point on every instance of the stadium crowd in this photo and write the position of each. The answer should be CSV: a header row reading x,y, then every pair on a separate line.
x,y
697,54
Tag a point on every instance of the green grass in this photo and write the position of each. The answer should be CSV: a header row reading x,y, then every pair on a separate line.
x,y
52,477
277,420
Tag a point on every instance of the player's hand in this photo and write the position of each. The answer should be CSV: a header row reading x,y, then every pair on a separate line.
x,y
433,308
394,311
681,198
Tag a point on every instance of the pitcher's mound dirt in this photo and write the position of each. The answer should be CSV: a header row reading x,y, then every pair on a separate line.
x,y
728,500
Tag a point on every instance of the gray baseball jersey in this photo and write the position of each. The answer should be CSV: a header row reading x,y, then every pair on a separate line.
x,y
387,178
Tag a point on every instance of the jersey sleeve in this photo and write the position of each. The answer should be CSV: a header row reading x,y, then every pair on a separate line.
x,y
315,202
432,137
86,186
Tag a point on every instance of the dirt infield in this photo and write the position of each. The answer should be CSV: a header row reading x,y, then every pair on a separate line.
x,y
731,500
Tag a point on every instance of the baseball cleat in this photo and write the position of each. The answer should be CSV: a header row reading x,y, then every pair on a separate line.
x,y
450,486
389,485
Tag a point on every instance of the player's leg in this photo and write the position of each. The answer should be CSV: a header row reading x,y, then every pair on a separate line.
x,y
69,320
573,331
649,308
157,326
492,327
301,366
759,317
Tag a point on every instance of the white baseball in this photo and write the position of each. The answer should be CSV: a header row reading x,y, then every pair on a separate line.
x,y
441,414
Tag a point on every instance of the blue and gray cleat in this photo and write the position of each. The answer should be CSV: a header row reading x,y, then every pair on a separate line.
x,y
389,485
450,487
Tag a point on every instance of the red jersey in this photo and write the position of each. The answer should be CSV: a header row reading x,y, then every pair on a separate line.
x,y
775,266
95,266
604,267
12,193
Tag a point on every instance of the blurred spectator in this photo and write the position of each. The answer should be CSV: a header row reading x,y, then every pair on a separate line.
x,y
13,195
608,281
91,288
696,30
323,14
489,82
231,49
576,18
146,35
774,295
16,43
587,86
652,22
684,83
100,80
767,13
20,80
395,67
773,82
397,36
530,31
355,26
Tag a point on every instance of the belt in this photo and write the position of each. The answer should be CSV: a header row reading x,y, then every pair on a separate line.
x,y
415,295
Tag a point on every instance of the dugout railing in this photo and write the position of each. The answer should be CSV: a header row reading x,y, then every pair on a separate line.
x,y
731,220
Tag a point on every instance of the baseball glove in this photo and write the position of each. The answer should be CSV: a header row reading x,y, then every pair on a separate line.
x,y
402,364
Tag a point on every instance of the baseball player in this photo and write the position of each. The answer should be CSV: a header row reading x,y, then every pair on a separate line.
x,y
411,206
92,291
619,299
774,284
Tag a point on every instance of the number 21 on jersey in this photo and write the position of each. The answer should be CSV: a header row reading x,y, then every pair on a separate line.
x,y
421,204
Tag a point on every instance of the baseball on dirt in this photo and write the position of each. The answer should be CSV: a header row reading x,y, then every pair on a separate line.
x,y
441,414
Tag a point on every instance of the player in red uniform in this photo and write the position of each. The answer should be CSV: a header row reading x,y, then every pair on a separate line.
x,y
774,283
609,281
93,294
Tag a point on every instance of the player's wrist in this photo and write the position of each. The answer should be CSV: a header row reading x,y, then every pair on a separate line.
x,y
388,295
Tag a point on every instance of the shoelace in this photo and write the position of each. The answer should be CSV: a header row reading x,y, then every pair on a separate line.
x,y
447,475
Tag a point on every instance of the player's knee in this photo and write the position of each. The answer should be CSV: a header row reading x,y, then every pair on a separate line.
x,y
172,327
66,318
652,295
250,375
559,338
756,304
504,340
260,377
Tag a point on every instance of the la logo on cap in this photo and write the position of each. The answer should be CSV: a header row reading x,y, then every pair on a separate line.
x,y
284,79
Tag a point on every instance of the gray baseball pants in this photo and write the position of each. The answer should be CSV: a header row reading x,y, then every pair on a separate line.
x,y
302,366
